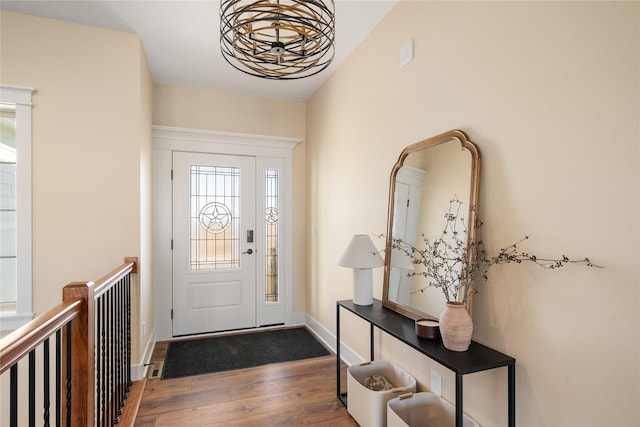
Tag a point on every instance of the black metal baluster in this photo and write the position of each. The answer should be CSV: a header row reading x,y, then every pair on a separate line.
x,y
112,365
122,310
58,378
98,360
115,403
13,386
115,398
68,386
103,348
128,328
123,339
109,359
119,399
32,388
46,390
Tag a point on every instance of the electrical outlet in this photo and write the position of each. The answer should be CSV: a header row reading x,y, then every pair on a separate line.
x,y
436,383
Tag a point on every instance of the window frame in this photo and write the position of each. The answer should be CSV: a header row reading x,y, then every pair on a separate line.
x,y
22,98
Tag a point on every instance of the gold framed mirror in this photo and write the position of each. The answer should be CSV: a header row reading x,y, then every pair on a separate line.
x,y
424,180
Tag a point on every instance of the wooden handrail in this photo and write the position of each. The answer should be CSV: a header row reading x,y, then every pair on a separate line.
x,y
23,340
105,282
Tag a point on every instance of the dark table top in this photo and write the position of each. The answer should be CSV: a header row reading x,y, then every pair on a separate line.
x,y
477,358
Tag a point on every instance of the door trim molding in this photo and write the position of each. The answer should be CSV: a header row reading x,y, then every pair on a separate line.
x,y
207,141
165,141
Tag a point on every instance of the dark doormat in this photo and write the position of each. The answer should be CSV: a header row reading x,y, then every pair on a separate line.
x,y
224,353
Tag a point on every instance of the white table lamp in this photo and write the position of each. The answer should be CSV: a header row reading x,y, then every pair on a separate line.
x,y
362,256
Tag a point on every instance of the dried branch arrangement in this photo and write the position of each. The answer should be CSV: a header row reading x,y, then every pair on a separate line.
x,y
453,265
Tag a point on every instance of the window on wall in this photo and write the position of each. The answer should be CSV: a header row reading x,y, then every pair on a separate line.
x,y
8,227
271,227
15,207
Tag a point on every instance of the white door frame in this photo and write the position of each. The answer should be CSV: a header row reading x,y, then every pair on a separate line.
x,y
169,139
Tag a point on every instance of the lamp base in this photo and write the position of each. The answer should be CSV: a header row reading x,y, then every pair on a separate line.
x,y
362,286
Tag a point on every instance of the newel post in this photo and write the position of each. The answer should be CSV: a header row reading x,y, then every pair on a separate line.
x,y
82,354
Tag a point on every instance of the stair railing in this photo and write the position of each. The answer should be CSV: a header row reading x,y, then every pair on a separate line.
x,y
91,336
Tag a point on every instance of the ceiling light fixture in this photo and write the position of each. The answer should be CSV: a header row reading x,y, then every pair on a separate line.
x,y
278,39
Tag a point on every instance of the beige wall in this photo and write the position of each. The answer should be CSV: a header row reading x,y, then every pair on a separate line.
x,y
91,120
211,110
550,93
184,107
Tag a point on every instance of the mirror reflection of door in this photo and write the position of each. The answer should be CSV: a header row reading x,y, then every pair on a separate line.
x,y
214,253
449,169
407,202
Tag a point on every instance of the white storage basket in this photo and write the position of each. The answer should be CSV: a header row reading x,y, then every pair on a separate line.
x,y
369,407
423,410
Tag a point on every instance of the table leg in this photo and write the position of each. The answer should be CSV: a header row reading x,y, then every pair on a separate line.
x,y
371,342
512,394
341,396
459,404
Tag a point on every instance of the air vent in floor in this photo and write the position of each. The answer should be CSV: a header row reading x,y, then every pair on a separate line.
x,y
155,370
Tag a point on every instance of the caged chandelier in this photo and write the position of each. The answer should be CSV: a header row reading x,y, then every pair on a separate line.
x,y
278,39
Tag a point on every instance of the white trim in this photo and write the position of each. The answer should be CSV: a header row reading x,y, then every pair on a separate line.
x,y
206,141
288,242
162,243
139,371
169,139
21,97
347,355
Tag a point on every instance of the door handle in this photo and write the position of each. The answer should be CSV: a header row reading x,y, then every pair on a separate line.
x,y
248,251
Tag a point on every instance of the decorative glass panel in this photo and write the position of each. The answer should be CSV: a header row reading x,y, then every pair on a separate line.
x,y
215,209
271,226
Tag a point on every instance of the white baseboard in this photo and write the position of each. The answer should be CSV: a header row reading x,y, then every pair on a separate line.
x,y
139,371
348,356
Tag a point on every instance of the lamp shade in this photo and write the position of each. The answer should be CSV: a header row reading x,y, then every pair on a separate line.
x,y
361,253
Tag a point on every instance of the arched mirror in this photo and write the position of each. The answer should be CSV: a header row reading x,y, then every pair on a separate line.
x,y
424,180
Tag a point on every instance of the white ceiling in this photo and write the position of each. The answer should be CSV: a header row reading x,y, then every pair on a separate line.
x,y
181,39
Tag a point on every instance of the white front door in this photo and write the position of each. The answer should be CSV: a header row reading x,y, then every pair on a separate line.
x,y
214,248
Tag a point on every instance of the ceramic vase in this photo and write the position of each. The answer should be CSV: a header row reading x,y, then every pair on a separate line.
x,y
456,327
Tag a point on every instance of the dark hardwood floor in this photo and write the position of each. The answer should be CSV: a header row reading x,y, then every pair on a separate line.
x,y
300,393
